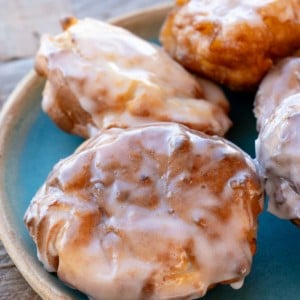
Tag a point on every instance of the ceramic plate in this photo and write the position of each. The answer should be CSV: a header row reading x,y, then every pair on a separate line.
x,y
30,144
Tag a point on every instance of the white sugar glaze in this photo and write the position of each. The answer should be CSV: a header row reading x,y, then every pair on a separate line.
x,y
156,212
121,80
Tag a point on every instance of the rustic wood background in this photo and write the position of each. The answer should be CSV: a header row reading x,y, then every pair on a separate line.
x,y
21,23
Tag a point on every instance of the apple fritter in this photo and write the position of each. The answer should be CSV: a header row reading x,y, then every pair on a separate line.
x,y
155,212
232,42
101,76
277,108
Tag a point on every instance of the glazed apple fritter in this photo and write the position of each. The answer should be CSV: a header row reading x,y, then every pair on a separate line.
x,y
155,212
101,76
232,42
277,108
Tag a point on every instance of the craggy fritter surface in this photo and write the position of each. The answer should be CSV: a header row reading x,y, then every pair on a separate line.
x,y
277,108
155,212
281,82
232,42
101,76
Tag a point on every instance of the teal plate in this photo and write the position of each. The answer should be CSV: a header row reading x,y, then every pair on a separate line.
x,y
30,144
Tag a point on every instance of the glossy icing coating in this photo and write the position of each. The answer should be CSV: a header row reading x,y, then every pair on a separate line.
x,y
232,42
277,108
277,150
101,76
280,83
156,212
232,12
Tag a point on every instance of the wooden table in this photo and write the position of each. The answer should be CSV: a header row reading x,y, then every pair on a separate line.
x,y
12,284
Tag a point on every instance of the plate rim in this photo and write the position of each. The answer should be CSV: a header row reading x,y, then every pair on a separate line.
x,y
13,105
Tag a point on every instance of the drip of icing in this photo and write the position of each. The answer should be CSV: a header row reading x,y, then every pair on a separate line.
x,y
237,285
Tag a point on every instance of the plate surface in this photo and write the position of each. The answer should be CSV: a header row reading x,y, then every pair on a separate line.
x,y
30,144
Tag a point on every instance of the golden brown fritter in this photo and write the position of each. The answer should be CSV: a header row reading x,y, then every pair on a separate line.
x,y
101,76
277,108
155,212
232,42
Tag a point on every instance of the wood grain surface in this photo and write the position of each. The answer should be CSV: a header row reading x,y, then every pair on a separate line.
x,y
12,284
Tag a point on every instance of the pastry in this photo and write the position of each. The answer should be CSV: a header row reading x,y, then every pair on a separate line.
x,y
232,42
101,76
153,212
277,108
